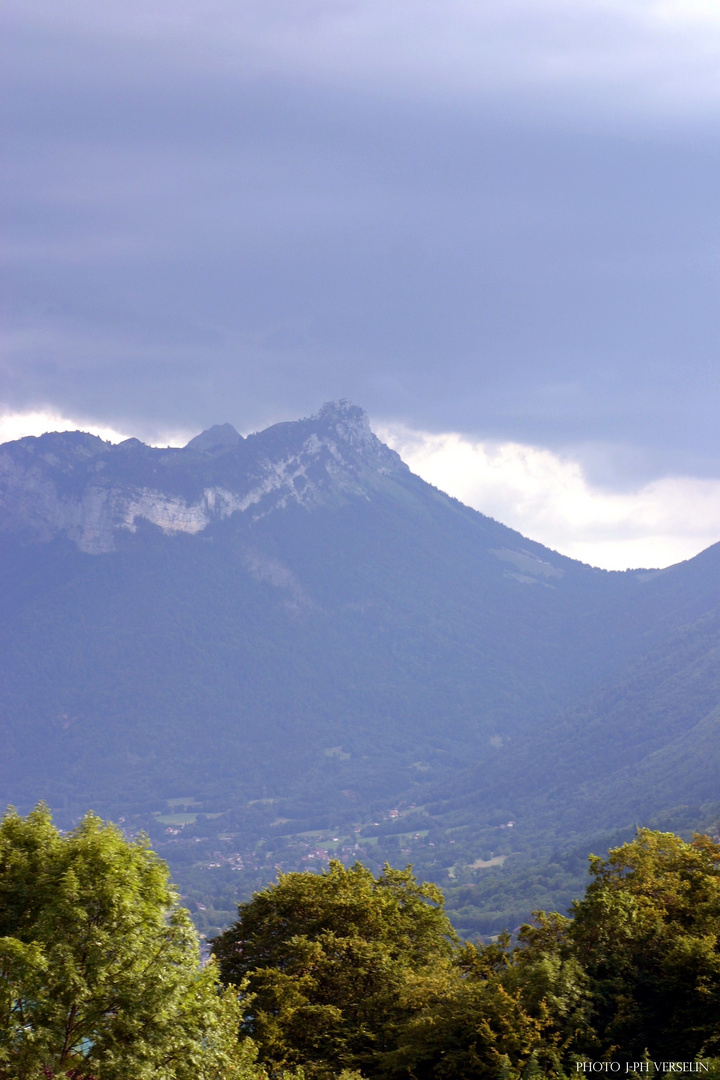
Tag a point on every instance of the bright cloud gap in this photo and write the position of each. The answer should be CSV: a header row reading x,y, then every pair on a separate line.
x,y
543,495
548,498
19,425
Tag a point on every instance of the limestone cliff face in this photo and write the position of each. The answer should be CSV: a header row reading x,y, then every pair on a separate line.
x,y
75,484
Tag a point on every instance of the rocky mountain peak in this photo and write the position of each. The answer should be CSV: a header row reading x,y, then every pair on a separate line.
x,y
348,422
217,437
91,492
346,429
344,414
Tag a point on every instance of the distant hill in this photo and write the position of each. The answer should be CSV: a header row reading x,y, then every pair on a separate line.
x,y
250,644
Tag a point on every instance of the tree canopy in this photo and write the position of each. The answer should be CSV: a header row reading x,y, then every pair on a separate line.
x,y
647,933
343,974
100,967
325,958
347,970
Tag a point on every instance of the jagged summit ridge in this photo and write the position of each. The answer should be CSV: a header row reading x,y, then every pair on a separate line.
x,y
217,437
75,484
349,422
344,427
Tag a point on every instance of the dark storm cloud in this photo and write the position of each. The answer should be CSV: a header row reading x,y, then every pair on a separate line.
x,y
239,217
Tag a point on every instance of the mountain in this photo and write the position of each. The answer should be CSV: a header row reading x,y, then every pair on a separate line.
x,y
76,486
256,647
642,749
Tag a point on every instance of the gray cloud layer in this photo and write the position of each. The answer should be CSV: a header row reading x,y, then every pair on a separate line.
x,y
499,224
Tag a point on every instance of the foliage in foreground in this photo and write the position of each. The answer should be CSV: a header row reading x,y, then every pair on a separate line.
x,y
647,933
347,970
327,958
343,975
100,971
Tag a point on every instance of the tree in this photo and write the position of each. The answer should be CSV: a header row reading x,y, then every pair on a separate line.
x,y
647,933
466,1021
325,958
100,973
636,970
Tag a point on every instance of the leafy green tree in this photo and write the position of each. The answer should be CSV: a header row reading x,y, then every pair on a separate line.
x,y
647,933
552,984
496,1010
464,1023
325,958
100,973
342,970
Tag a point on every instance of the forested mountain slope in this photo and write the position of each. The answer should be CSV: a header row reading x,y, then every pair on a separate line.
x,y
291,631
639,741
644,748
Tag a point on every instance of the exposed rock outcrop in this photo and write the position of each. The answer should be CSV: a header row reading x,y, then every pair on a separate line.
x,y
75,484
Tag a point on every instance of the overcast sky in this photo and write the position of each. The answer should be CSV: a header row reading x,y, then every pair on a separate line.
x,y
493,225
